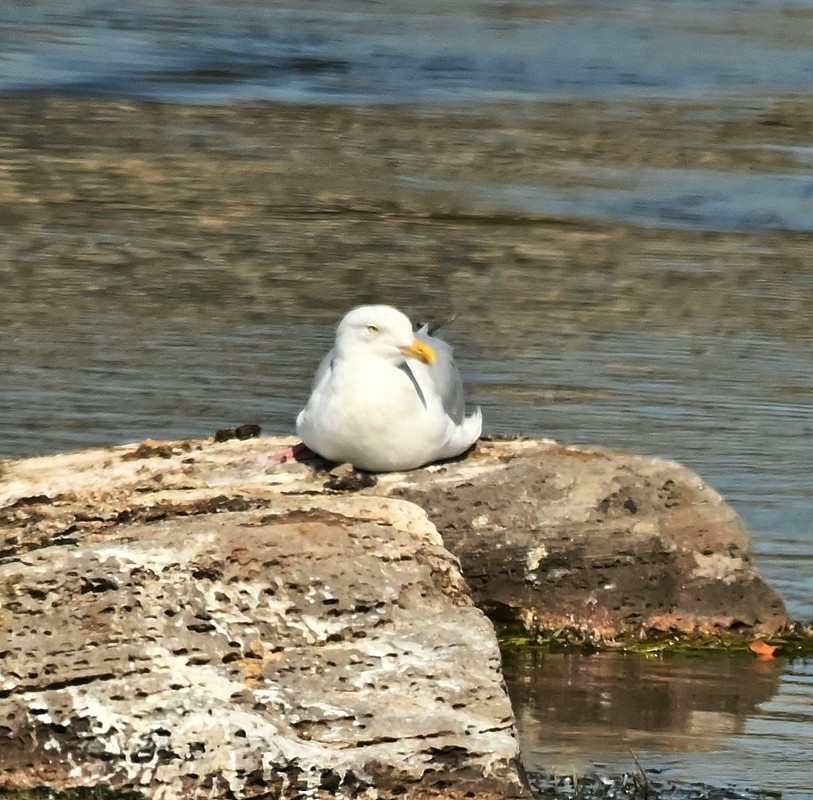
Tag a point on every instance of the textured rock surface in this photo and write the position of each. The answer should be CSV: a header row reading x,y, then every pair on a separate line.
x,y
558,536
196,615
282,650
608,544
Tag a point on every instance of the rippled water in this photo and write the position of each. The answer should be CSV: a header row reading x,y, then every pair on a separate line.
x,y
439,50
164,278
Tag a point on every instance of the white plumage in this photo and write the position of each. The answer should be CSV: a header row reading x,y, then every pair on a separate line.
x,y
386,399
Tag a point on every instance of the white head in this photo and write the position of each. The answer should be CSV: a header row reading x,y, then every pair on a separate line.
x,y
381,331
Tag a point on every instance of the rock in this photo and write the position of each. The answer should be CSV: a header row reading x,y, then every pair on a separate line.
x,y
553,536
315,647
598,543
198,615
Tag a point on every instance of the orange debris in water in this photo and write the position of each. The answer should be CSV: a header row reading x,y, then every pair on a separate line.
x,y
762,649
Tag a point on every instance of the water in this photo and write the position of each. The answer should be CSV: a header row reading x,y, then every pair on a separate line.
x,y
614,198
716,722
441,50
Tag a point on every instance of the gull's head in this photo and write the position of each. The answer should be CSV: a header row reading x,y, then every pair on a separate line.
x,y
383,332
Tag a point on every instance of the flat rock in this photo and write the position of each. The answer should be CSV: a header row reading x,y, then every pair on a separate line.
x,y
552,536
198,615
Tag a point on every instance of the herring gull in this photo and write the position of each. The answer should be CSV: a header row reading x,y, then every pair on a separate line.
x,y
385,398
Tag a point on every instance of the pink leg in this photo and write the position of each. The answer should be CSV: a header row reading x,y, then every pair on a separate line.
x,y
297,452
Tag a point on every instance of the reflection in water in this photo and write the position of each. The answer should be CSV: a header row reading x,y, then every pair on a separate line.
x,y
690,717
676,703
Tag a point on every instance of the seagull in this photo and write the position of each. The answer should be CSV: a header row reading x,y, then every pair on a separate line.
x,y
385,398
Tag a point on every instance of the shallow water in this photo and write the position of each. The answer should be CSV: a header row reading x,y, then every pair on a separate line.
x,y
626,275
717,721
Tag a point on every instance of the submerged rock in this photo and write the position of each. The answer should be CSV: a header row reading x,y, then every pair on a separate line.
x,y
195,616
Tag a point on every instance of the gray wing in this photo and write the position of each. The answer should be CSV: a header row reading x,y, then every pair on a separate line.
x,y
325,366
444,375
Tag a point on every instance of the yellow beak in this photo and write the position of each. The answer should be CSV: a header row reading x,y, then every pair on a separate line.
x,y
421,351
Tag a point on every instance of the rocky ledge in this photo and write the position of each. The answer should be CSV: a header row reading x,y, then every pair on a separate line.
x,y
196,617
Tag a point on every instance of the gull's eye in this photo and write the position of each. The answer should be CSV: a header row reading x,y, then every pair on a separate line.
x,y
372,329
